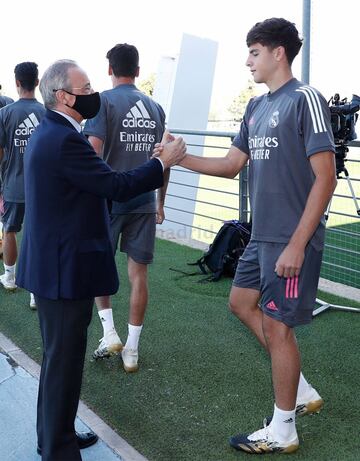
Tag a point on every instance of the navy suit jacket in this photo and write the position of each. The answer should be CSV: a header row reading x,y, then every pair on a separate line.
x,y
66,251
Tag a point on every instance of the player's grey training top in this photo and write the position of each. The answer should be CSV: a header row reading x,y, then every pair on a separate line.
x,y
17,123
279,132
129,123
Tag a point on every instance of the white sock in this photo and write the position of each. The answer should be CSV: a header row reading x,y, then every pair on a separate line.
x,y
303,388
283,425
132,341
106,317
10,270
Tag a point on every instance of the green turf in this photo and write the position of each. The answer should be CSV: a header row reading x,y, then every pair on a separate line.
x,y
202,376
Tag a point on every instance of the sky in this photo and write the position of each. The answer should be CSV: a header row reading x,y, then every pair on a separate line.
x,y
84,31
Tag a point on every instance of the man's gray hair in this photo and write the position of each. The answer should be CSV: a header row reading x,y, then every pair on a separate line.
x,y
55,78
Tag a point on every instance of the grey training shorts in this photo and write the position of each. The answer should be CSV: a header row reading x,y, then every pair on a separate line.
x,y
289,300
13,216
137,235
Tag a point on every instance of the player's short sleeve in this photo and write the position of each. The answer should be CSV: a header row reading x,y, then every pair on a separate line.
x,y
314,121
162,118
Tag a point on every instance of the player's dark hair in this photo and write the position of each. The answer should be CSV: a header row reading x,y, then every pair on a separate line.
x,y
124,60
27,73
275,32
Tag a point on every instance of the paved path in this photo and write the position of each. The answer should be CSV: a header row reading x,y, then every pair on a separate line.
x,y
18,393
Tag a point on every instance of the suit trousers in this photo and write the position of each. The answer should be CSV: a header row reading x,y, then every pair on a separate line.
x,y
63,325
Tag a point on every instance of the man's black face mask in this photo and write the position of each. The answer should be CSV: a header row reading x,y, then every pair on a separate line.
x,y
87,105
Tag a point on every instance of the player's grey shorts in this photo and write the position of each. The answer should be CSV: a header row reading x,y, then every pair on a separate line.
x,y
13,216
137,235
289,300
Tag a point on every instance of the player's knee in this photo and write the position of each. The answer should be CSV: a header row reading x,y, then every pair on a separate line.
x,y
276,332
233,306
234,302
242,303
238,308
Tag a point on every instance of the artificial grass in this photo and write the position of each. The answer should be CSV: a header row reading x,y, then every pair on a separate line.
x,y
202,376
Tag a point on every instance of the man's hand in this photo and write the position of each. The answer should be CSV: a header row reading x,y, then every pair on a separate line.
x,y
290,261
159,146
167,137
172,153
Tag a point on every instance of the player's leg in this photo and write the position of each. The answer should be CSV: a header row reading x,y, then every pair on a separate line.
x,y
138,240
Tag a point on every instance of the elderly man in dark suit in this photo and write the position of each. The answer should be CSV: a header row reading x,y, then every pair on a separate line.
x,y
66,238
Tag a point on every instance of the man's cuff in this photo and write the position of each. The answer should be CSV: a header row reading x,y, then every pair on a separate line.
x,y
162,163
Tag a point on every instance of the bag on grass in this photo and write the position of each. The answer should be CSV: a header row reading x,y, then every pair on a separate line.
x,y
223,254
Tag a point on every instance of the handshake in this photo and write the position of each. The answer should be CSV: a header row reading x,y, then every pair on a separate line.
x,y
171,151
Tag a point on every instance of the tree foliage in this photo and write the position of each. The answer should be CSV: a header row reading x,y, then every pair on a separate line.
x,y
147,85
239,103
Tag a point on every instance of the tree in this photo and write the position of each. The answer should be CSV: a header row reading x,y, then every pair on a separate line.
x,y
237,107
147,85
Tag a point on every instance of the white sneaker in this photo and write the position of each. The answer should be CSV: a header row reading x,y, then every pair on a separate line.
x,y
309,403
32,303
110,345
130,360
263,441
8,282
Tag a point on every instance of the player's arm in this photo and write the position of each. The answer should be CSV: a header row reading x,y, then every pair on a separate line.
x,y
291,259
227,167
97,144
161,193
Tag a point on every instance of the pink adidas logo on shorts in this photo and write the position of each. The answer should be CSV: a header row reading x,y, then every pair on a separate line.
x,y
272,306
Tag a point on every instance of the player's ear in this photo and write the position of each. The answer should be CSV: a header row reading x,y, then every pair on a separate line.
x,y
279,53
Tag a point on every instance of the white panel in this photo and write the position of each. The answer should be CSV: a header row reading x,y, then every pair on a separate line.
x,y
183,88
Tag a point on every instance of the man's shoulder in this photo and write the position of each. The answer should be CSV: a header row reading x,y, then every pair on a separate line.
x,y
37,109
124,97
8,112
117,97
254,102
39,105
5,100
150,103
32,103
117,91
20,104
302,91
130,90
106,93
9,107
59,125
145,97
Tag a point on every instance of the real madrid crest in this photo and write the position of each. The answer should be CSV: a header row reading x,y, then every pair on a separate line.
x,y
274,120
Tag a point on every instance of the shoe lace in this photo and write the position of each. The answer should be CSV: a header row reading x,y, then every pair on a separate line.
x,y
261,434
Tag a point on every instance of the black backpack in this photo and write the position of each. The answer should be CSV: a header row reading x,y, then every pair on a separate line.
x,y
223,254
